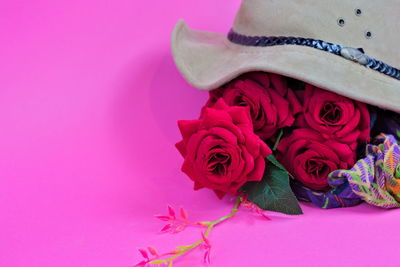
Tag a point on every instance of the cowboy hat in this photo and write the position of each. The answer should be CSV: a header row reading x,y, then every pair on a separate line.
x,y
348,47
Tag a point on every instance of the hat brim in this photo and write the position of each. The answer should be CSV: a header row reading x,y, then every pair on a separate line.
x,y
208,60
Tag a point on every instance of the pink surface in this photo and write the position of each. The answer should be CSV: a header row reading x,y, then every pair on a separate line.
x,y
89,98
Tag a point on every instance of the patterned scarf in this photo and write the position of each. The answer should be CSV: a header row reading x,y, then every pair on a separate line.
x,y
374,179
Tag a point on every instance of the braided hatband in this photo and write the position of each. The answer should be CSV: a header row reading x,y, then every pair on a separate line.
x,y
264,41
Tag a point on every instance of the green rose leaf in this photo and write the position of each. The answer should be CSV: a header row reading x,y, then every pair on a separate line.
x,y
273,192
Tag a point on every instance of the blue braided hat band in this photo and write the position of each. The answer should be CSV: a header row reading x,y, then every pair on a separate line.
x,y
353,54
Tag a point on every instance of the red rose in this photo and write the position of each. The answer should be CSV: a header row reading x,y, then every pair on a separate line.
x,y
310,158
335,116
221,150
272,105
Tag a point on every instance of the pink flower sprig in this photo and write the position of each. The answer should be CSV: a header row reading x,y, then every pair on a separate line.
x,y
176,224
207,248
152,257
253,207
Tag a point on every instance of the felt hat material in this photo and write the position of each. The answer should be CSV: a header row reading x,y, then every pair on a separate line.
x,y
208,60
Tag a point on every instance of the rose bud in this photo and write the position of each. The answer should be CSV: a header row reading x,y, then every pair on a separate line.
x,y
272,105
310,158
335,116
220,150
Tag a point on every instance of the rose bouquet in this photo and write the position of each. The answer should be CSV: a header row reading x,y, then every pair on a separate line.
x,y
272,140
310,138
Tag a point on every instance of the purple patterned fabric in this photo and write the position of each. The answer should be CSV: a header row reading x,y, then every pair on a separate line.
x,y
340,196
374,179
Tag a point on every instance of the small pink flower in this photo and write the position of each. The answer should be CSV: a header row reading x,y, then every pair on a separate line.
x,y
207,247
144,253
184,213
171,211
153,251
166,228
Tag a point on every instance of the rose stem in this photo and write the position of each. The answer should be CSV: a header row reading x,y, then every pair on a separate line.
x,y
278,139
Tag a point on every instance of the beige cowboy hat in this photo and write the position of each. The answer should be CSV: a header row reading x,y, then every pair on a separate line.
x,y
350,47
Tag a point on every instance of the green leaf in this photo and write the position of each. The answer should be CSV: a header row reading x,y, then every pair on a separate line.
x,y
273,192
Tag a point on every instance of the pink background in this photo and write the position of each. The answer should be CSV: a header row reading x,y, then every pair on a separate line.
x,y
89,99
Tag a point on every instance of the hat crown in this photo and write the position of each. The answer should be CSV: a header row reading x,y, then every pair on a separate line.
x,y
368,24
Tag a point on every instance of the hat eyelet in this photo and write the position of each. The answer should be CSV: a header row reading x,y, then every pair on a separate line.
x,y
368,34
358,12
341,22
